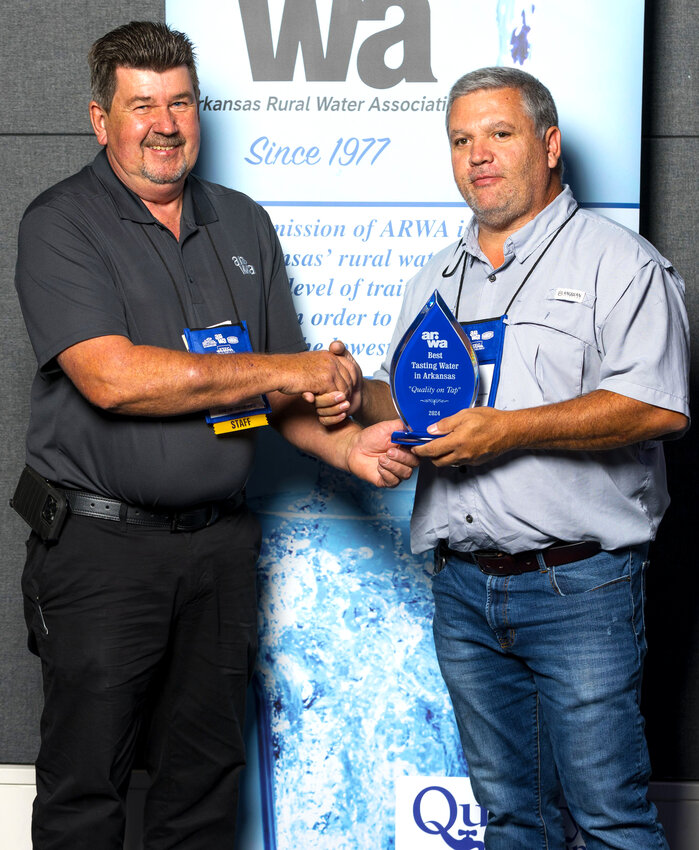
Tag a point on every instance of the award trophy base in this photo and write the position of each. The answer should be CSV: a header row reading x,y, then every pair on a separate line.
x,y
413,438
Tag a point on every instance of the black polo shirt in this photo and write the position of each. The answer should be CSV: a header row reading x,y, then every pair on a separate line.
x,y
93,261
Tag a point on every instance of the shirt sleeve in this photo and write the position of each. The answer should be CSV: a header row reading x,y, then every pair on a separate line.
x,y
645,340
66,290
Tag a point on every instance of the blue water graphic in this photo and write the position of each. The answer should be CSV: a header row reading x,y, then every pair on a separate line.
x,y
352,691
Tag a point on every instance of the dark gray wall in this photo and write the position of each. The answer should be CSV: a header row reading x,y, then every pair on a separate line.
x,y
668,219
45,135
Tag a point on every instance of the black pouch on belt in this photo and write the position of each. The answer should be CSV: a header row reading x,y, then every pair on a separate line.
x,y
40,505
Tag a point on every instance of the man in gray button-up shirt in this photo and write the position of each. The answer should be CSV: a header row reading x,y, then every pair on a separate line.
x,y
540,507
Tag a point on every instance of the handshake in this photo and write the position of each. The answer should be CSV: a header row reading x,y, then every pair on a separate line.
x,y
357,416
337,390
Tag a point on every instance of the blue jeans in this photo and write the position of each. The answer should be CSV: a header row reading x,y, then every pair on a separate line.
x,y
544,672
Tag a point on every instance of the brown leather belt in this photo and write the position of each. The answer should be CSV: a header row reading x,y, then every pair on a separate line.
x,y
502,564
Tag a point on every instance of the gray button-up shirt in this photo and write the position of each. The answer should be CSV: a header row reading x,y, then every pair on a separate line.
x,y
602,310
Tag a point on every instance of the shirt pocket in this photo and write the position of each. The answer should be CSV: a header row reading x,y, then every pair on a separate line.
x,y
553,348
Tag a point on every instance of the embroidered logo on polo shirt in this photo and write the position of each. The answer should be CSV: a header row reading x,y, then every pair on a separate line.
x,y
570,295
243,265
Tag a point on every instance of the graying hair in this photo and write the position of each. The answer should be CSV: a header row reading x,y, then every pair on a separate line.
x,y
536,98
147,45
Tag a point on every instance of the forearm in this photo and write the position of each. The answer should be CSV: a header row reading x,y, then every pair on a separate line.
x,y
367,453
296,421
594,422
141,380
377,404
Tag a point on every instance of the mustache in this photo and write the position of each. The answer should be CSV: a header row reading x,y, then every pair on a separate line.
x,y
157,140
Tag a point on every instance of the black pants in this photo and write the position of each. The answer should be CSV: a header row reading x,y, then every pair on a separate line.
x,y
124,617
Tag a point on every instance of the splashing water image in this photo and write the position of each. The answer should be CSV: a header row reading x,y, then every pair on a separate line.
x,y
351,688
514,20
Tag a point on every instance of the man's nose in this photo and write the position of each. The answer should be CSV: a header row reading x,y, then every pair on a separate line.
x,y
165,122
480,152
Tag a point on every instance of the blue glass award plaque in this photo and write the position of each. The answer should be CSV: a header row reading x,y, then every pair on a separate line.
x,y
434,371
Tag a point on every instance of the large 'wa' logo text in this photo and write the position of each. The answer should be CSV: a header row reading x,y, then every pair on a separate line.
x,y
300,27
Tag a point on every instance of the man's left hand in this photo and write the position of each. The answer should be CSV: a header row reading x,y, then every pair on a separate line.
x,y
375,459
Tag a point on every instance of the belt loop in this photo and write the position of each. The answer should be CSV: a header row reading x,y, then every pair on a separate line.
x,y
123,513
214,514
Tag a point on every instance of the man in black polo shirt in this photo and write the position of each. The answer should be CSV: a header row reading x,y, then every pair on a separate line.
x,y
149,594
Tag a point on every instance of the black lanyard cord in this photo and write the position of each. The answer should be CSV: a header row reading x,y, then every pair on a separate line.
x,y
451,272
528,275
539,259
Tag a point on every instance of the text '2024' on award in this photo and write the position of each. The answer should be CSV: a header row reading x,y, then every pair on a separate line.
x,y
434,371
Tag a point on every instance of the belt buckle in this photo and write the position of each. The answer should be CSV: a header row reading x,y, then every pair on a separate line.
x,y
490,569
177,524
496,563
211,510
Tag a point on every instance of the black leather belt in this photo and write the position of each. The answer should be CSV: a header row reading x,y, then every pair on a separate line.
x,y
192,519
502,564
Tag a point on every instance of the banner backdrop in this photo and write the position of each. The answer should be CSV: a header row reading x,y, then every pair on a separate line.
x,y
331,113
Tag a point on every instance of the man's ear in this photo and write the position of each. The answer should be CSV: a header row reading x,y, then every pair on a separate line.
x,y
98,119
553,146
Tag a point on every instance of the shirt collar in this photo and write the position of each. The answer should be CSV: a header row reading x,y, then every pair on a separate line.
x,y
197,209
527,239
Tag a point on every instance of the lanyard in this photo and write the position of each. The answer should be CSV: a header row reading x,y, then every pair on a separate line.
x,y
487,336
462,262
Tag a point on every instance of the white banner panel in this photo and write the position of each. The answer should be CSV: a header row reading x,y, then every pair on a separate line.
x,y
331,113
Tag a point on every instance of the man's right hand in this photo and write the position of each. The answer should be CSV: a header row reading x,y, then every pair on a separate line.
x,y
321,374
337,405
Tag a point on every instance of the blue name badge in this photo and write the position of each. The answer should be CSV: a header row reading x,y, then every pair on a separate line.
x,y
434,371
487,337
228,338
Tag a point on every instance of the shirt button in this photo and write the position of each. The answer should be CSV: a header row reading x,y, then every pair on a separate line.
x,y
491,278
469,518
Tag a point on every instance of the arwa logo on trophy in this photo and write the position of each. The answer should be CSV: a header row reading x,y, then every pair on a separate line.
x,y
434,371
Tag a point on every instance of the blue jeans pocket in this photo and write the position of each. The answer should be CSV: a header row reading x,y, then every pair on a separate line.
x,y
589,575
